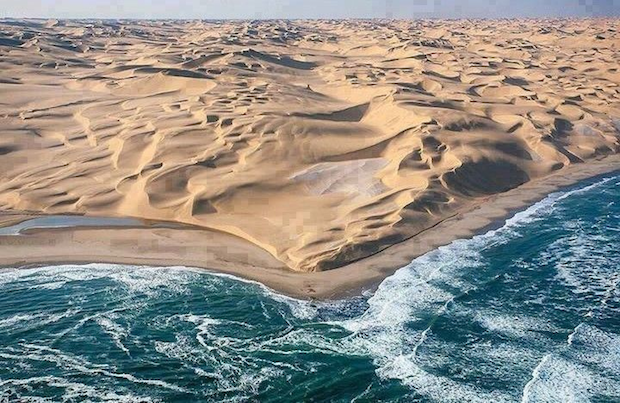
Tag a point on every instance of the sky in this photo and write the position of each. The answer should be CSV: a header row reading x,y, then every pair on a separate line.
x,y
259,9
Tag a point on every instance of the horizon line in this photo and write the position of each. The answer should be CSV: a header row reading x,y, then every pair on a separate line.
x,y
576,17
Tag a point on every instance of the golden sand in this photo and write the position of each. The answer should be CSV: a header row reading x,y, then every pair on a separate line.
x,y
319,142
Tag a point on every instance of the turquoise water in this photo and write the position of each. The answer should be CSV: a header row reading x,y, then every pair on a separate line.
x,y
529,312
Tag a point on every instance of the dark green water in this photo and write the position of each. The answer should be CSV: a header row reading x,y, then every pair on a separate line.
x,y
529,312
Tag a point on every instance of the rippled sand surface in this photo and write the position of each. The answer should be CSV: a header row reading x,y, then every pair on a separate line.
x,y
320,142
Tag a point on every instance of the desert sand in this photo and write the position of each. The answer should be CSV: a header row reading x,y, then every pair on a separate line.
x,y
295,146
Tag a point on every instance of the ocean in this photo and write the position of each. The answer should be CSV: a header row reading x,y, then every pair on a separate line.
x,y
529,312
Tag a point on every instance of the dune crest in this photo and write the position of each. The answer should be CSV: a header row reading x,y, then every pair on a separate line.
x,y
322,142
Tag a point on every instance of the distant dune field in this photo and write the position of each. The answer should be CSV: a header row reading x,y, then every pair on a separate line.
x,y
321,142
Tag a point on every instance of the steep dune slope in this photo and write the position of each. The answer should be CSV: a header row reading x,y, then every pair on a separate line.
x,y
322,142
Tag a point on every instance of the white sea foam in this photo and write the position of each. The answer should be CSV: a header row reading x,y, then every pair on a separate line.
x,y
417,288
135,279
299,308
73,391
597,348
19,318
589,364
557,380
66,361
181,349
204,328
514,325
225,361
231,373
38,319
584,189
115,330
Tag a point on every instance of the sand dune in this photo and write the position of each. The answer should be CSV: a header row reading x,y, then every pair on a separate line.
x,y
321,142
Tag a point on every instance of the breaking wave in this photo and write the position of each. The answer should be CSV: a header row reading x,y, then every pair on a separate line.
x,y
527,312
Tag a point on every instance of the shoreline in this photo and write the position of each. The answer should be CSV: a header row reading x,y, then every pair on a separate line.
x,y
219,252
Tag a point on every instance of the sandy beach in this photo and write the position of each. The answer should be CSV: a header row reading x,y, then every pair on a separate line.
x,y
316,157
228,254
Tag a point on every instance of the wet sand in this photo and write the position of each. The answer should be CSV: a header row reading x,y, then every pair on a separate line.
x,y
229,254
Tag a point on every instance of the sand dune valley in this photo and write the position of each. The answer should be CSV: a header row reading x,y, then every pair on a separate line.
x,y
292,146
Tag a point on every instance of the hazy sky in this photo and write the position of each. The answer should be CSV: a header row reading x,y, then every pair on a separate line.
x,y
216,9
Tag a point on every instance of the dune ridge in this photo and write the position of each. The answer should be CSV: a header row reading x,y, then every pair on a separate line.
x,y
321,142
